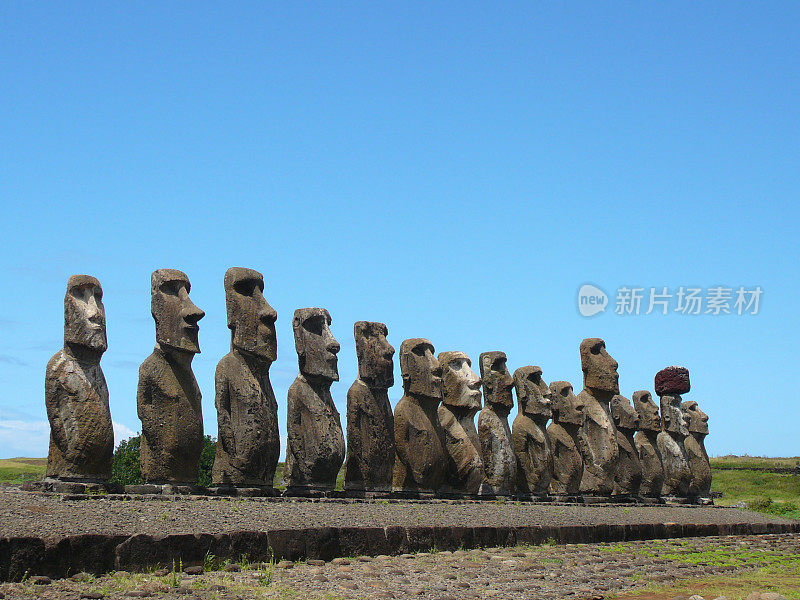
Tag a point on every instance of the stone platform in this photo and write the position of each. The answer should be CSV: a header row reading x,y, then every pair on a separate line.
x,y
56,535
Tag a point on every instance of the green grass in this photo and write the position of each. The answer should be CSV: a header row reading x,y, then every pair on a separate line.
x,y
773,493
280,484
18,470
750,462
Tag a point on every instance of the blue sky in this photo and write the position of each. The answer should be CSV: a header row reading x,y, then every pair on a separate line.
x,y
456,171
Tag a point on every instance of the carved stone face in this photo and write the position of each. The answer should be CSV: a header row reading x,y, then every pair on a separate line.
x,y
315,344
175,314
250,317
675,420
84,313
533,394
461,387
649,419
599,369
422,375
698,420
567,407
374,352
624,415
497,381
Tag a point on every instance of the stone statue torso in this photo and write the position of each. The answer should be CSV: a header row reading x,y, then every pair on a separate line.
x,y
370,439
464,465
81,434
567,460
650,459
248,443
677,475
534,455
315,448
628,478
169,406
497,450
421,459
598,444
699,466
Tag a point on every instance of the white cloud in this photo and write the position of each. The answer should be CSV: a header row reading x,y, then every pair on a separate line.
x,y
122,432
24,438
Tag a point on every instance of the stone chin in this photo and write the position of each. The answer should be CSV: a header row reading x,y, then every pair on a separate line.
x,y
92,339
266,352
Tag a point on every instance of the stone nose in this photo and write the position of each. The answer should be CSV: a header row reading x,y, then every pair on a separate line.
x,y
333,346
268,315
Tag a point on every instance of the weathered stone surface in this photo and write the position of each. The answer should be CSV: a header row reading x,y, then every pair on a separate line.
x,y
248,444
370,422
677,474
461,400
672,380
168,398
421,462
598,435
529,431
315,449
497,445
628,478
567,409
695,446
646,444
76,395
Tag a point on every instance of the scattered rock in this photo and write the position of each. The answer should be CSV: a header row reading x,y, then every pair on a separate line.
x,y
232,568
194,570
92,595
340,561
137,594
40,580
285,564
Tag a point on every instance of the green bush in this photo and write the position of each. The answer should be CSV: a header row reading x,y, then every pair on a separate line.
x,y
126,469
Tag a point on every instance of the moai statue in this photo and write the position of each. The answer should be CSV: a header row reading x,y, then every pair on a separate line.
x,y
628,478
75,391
461,400
497,445
248,444
531,442
598,435
421,462
695,446
563,433
370,423
670,384
315,449
647,446
168,398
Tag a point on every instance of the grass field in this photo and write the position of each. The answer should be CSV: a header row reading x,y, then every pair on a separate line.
x,y
17,470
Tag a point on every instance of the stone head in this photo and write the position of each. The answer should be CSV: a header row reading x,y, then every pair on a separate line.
x,y
623,413
420,369
649,419
675,420
461,387
533,394
250,317
698,420
316,347
672,380
497,381
84,313
599,369
175,314
567,407
374,353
